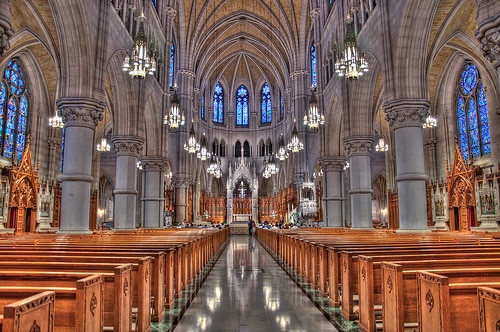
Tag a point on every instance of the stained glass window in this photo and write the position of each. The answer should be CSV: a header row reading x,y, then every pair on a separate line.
x,y
472,115
218,116
314,81
266,104
242,106
202,108
282,108
155,3
14,111
61,161
172,66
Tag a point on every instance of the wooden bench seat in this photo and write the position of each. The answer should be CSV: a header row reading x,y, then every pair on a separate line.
x,y
136,279
445,305
399,289
370,278
78,308
34,313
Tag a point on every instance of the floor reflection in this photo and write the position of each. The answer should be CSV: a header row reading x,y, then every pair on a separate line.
x,y
247,291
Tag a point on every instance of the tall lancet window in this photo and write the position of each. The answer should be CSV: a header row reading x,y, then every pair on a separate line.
x,y
14,111
218,116
472,114
266,104
314,77
242,106
171,69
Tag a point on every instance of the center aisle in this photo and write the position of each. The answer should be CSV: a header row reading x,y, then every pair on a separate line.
x,y
247,291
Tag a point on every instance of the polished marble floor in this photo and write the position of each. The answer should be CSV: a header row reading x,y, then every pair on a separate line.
x,y
247,291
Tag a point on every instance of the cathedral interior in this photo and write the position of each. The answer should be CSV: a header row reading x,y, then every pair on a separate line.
x,y
361,114
352,147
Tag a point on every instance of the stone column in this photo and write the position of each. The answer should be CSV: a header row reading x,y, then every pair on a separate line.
x,y
153,191
359,149
181,188
80,117
333,190
488,32
127,149
406,117
54,144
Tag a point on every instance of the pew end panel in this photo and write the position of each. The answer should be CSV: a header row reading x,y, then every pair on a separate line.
x,y
433,292
489,309
89,304
35,313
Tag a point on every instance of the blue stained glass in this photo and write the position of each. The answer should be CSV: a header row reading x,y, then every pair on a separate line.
x,y
469,79
10,129
484,121
61,160
155,3
15,77
3,98
473,128
282,108
462,128
21,127
266,104
171,66
314,79
218,116
202,110
242,106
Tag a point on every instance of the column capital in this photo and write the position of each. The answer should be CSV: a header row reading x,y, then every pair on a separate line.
x,y
54,142
5,26
407,112
298,73
181,181
80,112
431,142
359,145
153,163
488,32
332,163
127,145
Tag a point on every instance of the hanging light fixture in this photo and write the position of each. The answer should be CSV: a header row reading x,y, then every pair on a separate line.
x,y
56,121
351,62
203,153
313,117
174,118
381,146
295,145
191,145
103,146
430,122
282,153
215,167
143,60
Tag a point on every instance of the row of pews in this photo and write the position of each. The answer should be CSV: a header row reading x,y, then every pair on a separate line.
x,y
390,281
108,281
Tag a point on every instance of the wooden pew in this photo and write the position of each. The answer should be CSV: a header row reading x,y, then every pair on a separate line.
x,y
445,305
489,309
370,279
78,308
34,313
137,282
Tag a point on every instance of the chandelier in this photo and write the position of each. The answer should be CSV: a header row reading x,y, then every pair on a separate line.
x,y
381,146
191,145
312,117
214,168
203,153
174,118
143,60
270,167
282,153
295,145
351,62
56,121
104,145
430,122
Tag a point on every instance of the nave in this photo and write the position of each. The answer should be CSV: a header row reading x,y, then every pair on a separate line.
x,y
248,291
